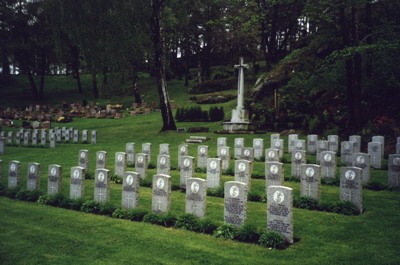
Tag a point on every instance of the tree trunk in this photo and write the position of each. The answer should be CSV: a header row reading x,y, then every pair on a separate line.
x,y
166,112
75,67
135,88
42,74
33,84
94,86
5,62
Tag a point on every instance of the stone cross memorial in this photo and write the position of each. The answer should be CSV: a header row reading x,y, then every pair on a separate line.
x,y
239,144
273,174
225,156
243,172
141,165
54,180
328,165
196,196
202,156
213,173
77,183
102,185
235,203
312,144
146,149
161,199
183,150
346,153
130,153
310,181
271,155
130,190
280,211
362,160
375,151
394,171
351,186
258,146
101,159
163,164
14,173
120,164
298,158
33,177
186,170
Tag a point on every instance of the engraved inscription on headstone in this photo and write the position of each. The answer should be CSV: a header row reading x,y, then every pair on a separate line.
x,y
322,145
14,174
120,164
213,172
310,181
346,153
54,179
291,142
333,141
224,155
380,139
273,174
280,211
243,172
130,190
130,153
362,160
258,146
196,196
202,156
356,140
146,149
93,139
328,164
183,150
271,155
186,170
375,152
161,198
163,164
141,165
33,177
350,186
102,185
77,183
235,203
298,158
83,158
101,159
394,171
239,144
164,149
278,144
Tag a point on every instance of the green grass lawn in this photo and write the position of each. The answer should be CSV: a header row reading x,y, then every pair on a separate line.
x,y
37,234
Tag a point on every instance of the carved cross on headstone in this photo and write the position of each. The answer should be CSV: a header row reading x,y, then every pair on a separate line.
x,y
129,199
100,194
309,190
159,202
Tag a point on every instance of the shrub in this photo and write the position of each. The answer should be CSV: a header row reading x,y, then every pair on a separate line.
x,y
187,222
107,209
168,220
345,207
229,172
254,197
147,182
330,181
152,166
226,231
217,192
137,214
248,233
11,192
257,176
271,239
75,204
207,226
90,206
153,218
89,175
375,185
120,214
116,179
57,200
216,113
214,85
28,195
306,203
200,170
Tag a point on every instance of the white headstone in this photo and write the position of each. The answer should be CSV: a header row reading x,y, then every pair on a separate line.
x,y
362,160
224,155
271,155
356,139
346,153
101,159
102,185
258,146
164,149
322,145
394,171
235,203
310,181
186,170
54,180
196,197
146,149
291,142
213,172
298,158
120,164
77,183
130,190
141,165
375,151
161,199
243,169
278,144
328,165
33,177
350,186
83,160
333,141
202,156
239,144
130,153
183,150
273,174
163,164
14,173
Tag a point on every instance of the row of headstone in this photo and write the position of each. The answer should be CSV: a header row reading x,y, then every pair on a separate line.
x,y
42,137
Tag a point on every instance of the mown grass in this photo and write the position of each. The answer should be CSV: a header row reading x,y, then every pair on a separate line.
x,y
32,234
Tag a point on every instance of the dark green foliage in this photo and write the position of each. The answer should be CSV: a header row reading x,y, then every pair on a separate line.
x,y
90,206
137,214
89,175
254,196
168,220
345,207
116,179
153,218
217,192
188,222
107,209
331,181
216,114
192,114
292,179
214,85
200,170
271,239
152,166
11,192
28,195
207,226
226,231
56,200
147,182
120,213
306,203
375,185
229,172
257,176
248,233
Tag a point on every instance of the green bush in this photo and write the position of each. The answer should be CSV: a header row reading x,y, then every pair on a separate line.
x,y
207,226
168,220
345,207
137,214
116,179
187,222
200,170
147,182
375,185
271,239
153,218
214,86
107,209
216,113
90,206
120,214
229,172
306,203
217,192
254,197
226,231
28,195
75,204
56,200
248,232
11,192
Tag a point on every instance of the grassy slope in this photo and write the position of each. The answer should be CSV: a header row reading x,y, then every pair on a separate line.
x,y
33,234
